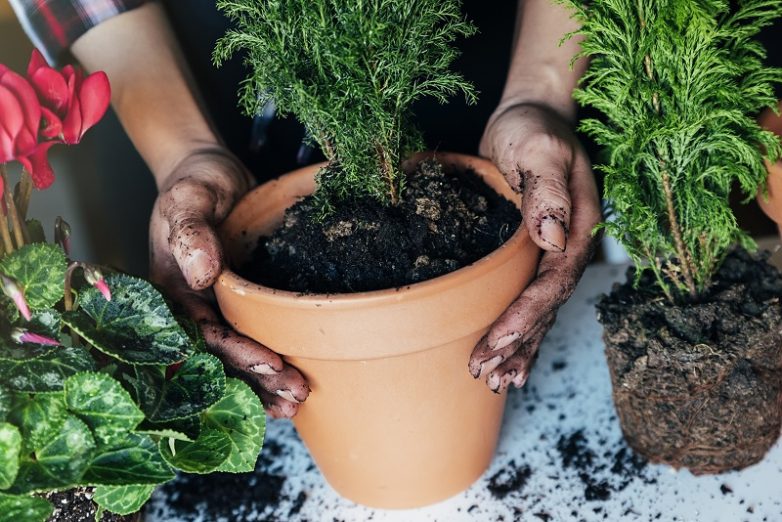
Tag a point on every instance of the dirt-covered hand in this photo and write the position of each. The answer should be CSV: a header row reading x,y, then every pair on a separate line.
x,y
187,258
540,157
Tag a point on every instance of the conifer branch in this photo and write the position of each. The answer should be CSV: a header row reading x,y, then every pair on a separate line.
x,y
678,83
350,71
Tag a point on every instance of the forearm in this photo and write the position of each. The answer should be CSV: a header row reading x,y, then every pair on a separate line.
x,y
152,91
540,71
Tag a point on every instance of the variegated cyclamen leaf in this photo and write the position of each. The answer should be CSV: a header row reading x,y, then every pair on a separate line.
x,y
46,372
187,429
205,455
60,463
5,403
123,500
40,270
10,446
239,414
102,402
18,508
39,416
136,326
135,460
195,386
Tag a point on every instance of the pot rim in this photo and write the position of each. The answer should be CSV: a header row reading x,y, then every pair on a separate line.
x,y
516,243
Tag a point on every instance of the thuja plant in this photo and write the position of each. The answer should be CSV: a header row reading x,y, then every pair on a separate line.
x,y
678,83
100,384
350,71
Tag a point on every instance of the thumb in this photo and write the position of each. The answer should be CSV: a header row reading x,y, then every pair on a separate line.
x,y
546,204
188,207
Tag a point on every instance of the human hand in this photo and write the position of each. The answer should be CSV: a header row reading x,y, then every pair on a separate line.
x,y
540,157
187,258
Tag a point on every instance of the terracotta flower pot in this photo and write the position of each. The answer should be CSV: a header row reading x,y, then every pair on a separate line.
x,y
772,203
394,419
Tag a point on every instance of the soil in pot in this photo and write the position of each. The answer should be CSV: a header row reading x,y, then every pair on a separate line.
x,y
443,222
699,384
76,505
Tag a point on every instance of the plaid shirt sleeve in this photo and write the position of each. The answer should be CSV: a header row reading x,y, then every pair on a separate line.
x,y
53,25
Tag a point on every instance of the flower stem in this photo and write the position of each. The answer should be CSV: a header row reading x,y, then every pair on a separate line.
x,y
12,211
8,245
22,194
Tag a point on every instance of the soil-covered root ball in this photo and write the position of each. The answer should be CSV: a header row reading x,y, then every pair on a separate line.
x,y
699,384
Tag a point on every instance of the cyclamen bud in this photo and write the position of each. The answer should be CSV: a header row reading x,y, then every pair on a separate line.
x,y
95,277
62,234
12,289
23,336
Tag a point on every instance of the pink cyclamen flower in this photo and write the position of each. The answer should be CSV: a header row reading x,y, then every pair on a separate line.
x,y
20,116
22,336
70,105
95,277
12,289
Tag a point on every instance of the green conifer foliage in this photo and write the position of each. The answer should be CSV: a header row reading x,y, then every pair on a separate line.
x,y
679,83
349,70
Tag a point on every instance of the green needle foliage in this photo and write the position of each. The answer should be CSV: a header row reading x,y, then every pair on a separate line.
x,y
350,71
678,83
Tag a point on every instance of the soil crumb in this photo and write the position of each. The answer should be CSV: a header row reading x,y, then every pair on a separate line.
x,y
509,479
76,505
445,221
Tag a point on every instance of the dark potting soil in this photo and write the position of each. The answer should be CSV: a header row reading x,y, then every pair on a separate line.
x,y
76,505
699,384
443,223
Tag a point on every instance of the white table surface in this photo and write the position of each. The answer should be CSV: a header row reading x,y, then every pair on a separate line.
x,y
569,390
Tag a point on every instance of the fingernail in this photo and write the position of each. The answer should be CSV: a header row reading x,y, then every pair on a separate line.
x,y
493,381
263,369
553,233
505,341
197,266
287,395
521,379
490,364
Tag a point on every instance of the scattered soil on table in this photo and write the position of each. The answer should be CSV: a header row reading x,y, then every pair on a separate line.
x,y
235,497
509,479
699,384
76,505
443,223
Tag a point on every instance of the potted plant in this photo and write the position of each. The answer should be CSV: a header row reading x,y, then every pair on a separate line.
x,y
693,338
104,393
376,273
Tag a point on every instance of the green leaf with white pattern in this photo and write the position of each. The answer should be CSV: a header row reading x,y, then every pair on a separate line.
x,y
103,404
39,416
123,500
205,455
46,372
60,463
187,429
136,326
40,269
239,414
135,460
17,508
196,385
10,446
5,403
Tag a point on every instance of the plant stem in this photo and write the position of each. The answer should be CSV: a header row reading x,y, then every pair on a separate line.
x,y
22,194
13,212
681,251
8,245
68,297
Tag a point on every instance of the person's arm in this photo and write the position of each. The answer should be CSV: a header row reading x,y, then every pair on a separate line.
x,y
530,139
198,178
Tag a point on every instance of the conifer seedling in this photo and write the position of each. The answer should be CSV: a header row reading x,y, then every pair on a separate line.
x,y
679,83
350,71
